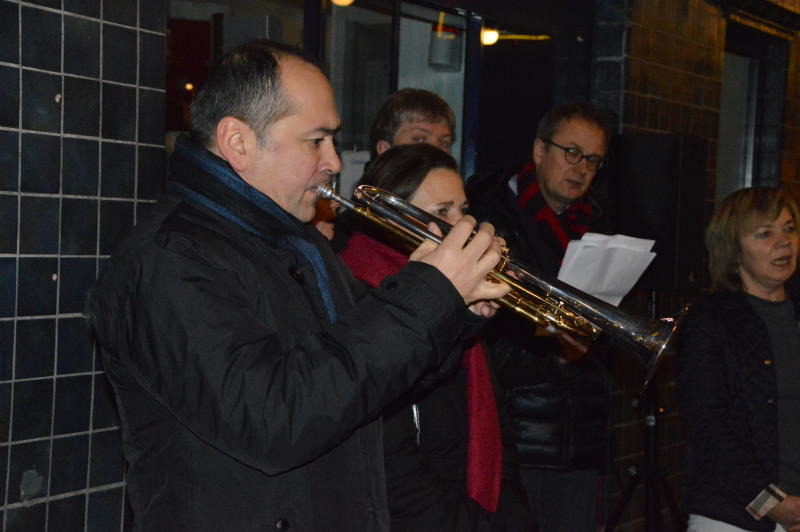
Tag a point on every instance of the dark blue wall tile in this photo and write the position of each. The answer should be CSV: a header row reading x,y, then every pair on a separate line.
x,y
29,468
117,170
8,283
119,53
152,60
9,32
107,463
6,355
33,405
47,3
35,348
79,167
105,510
40,110
70,462
77,277
5,416
9,95
78,226
41,163
121,12
152,170
67,513
3,473
105,408
38,232
37,286
81,46
9,158
84,7
116,221
152,14
26,518
119,112
81,106
151,117
74,346
73,404
39,52
8,224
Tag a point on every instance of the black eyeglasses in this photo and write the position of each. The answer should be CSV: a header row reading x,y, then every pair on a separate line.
x,y
575,156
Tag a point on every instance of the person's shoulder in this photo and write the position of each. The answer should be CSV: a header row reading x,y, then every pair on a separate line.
x,y
722,307
489,179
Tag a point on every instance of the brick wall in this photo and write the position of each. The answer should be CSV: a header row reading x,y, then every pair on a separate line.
x,y
658,69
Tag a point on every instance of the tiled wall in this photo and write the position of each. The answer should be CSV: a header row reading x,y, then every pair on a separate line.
x,y
81,151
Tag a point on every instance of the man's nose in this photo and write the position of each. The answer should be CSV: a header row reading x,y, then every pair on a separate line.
x,y
331,162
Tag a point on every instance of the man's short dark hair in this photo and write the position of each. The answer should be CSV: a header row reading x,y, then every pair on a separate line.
x,y
552,121
244,83
409,105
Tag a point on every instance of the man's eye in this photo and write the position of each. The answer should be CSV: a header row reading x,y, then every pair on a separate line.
x,y
445,144
441,212
319,141
419,139
594,159
574,151
762,234
790,229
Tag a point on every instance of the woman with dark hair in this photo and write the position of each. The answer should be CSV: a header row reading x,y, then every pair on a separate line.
x,y
738,369
446,466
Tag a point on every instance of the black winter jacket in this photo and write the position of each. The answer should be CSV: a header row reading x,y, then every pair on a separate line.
x,y
242,408
559,411
728,391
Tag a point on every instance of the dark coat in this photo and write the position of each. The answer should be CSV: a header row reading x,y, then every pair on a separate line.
x,y
728,391
242,408
426,461
559,411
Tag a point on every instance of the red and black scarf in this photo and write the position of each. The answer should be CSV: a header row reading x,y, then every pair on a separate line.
x,y
559,229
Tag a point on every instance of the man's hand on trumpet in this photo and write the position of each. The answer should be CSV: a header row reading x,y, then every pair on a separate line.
x,y
466,262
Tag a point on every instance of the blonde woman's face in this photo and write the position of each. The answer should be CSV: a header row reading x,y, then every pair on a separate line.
x,y
769,256
441,194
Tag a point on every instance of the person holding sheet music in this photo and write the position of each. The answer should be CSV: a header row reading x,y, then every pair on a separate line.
x,y
557,397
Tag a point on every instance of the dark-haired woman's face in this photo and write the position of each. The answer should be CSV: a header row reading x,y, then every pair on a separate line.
x,y
769,256
441,194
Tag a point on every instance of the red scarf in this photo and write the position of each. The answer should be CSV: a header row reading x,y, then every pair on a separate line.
x,y
569,225
371,261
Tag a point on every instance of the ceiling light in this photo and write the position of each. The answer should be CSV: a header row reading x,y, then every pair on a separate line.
x,y
489,36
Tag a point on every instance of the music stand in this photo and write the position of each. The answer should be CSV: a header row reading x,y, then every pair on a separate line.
x,y
650,474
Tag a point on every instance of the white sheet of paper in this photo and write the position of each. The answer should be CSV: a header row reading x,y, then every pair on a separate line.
x,y
606,266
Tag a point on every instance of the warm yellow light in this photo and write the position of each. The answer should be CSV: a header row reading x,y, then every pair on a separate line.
x,y
342,3
189,86
489,36
515,37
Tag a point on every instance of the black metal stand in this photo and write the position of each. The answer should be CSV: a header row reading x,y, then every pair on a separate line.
x,y
650,474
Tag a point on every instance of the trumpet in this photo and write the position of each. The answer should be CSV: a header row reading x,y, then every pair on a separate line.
x,y
548,303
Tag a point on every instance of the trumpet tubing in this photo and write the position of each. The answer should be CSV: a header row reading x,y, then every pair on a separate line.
x,y
545,302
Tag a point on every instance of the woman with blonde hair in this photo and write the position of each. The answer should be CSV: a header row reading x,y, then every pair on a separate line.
x,y
738,369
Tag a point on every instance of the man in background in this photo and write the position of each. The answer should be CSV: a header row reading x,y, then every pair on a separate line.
x,y
557,395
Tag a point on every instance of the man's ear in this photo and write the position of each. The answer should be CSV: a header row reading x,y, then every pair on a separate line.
x,y
381,146
235,142
538,151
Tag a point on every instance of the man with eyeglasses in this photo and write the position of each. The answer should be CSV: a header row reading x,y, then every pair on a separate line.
x,y
556,388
